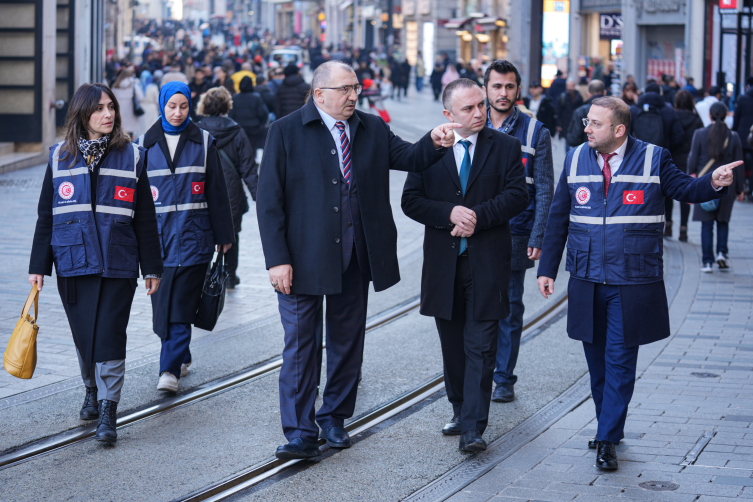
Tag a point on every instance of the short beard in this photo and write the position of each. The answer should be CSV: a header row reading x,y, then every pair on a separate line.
x,y
500,110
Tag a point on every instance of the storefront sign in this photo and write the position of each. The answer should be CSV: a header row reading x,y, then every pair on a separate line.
x,y
610,26
599,5
731,5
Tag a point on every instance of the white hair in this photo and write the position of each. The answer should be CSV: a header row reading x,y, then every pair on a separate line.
x,y
323,73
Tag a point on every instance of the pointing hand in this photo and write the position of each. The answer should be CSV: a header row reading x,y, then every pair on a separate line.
x,y
442,136
724,175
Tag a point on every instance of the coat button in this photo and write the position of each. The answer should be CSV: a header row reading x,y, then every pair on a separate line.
x,y
453,245
333,152
459,193
334,181
335,209
337,241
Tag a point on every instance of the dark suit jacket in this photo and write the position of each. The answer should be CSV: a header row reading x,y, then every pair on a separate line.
x,y
298,198
645,313
496,192
546,114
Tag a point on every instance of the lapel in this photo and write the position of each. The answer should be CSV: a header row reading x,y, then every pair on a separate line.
x,y
483,147
451,166
311,119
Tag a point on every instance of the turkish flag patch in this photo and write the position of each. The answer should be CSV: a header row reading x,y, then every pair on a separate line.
x,y
632,197
197,187
123,193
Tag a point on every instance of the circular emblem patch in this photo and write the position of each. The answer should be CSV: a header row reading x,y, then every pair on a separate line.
x,y
155,193
66,190
582,195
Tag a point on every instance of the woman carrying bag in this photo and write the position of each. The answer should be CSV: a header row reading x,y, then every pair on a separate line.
x,y
712,147
193,214
236,157
96,223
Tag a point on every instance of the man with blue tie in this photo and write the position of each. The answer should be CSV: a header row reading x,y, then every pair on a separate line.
x,y
609,209
465,203
324,215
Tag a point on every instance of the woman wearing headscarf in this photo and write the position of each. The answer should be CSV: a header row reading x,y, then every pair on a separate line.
x,y
193,214
96,223
712,147
237,158
150,103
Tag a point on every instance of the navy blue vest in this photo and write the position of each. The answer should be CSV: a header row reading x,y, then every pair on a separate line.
x,y
617,240
185,229
87,241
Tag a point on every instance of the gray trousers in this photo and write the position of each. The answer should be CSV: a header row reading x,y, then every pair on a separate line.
x,y
106,376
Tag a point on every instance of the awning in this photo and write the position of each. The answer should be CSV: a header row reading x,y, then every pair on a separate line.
x,y
454,24
346,4
486,21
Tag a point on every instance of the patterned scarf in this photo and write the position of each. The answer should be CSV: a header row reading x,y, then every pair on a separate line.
x,y
92,150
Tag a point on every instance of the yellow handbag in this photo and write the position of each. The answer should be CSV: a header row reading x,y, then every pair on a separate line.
x,y
20,357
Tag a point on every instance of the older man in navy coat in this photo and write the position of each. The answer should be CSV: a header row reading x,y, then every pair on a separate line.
x,y
609,207
324,214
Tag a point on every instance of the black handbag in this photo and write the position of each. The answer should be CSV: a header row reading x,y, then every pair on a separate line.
x,y
137,110
212,295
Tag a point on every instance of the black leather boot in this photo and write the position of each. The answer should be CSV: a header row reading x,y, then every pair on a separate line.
x,y
108,420
606,456
90,410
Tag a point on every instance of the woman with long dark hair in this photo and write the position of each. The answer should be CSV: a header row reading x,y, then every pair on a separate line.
x,y
96,223
690,122
630,94
193,214
712,147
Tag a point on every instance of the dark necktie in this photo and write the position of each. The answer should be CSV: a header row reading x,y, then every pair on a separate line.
x,y
607,171
345,149
465,169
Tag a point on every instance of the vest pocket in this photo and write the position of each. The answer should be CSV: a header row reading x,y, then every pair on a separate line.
x,y
642,253
68,247
578,247
123,253
202,227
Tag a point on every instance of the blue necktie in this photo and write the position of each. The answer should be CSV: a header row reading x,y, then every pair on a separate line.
x,y
465,169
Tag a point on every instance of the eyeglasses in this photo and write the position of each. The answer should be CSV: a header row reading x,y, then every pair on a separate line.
x,y
346,89
594,124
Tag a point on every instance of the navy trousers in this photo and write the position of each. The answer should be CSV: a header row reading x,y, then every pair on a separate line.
x,y
345,321
175,348
469,348
611,366
510,331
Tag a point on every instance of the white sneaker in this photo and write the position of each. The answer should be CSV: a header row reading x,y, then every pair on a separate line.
x,y
722,260
707,268
167,381
184,369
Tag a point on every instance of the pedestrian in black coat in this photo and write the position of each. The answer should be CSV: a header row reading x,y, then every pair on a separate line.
x,y
575,133
673,135
262,87
565,107
436,80
291,94
465,203
743,122
250,112
98,305
238,166
327,229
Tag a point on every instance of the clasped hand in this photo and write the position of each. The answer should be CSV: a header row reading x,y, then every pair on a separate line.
x,y
464,220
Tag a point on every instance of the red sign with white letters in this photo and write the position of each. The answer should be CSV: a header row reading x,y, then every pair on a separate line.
x,y
197,187
122,193
632,197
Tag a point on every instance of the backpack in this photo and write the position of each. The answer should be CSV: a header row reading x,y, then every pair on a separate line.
x,y
648,126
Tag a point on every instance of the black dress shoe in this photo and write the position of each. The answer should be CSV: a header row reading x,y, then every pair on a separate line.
x,y
89,411
336,437
472,442
606,456
594,441
504,393
452,428
108,420
297,449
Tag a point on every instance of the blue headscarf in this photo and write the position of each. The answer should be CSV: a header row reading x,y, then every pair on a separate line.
x,y
165,93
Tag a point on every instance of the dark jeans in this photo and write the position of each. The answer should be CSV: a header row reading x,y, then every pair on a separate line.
x,y
419,83
231,257
611,366
510,329
175,349
437,92
468,351
707,239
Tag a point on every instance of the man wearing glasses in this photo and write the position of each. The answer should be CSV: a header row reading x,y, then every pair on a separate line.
x,y
327,230
609,208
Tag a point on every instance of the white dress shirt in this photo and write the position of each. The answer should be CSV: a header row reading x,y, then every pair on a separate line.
x,y
459,150
330,122
614,162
